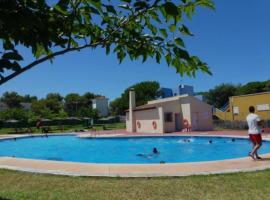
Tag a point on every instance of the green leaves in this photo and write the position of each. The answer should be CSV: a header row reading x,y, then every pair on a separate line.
x,y
141,29
6,64
206,3
93,10
179,42
139,5
125,6
171,9
111,9
60,9
168,59
185,31
172,27
126,1
12,56
163,32
181,53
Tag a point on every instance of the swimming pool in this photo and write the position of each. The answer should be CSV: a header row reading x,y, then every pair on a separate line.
x,y
129,150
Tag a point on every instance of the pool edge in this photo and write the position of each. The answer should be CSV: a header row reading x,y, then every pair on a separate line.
x,y
137,170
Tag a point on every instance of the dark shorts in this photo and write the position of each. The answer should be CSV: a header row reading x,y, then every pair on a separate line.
x,y
255,138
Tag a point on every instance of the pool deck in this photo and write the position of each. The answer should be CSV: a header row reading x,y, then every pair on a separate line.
x,y
140,170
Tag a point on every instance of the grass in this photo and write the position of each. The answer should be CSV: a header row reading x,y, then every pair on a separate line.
x,y
20,185
67,128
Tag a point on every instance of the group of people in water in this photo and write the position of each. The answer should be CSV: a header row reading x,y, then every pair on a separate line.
x,y
156,152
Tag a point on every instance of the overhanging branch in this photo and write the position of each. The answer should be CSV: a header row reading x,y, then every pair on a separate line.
x,y
36,62
68,49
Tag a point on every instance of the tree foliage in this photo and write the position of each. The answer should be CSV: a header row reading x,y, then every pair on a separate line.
x,y
80,106
15,113
72,104
29,99
12,99
40,109
53,102
219,96
254,87
145,91
138,29
53,106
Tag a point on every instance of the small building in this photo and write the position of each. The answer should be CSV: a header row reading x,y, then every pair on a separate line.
x,y
101,104
237,107
167,115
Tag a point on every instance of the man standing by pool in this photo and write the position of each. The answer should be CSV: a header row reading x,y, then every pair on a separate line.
x,y
254,123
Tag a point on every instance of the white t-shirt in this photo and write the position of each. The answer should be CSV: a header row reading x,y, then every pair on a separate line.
x,y
252,120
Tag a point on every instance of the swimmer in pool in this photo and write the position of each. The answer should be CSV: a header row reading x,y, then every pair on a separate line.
x,y
154,152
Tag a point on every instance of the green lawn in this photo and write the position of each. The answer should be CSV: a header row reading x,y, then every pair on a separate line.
x,y
19,185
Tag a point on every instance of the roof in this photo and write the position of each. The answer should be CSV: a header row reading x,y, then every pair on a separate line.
x,y
158,101
100,98
141,108
155,103
253,94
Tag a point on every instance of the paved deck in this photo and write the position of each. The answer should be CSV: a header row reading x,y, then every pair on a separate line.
x,y
140,170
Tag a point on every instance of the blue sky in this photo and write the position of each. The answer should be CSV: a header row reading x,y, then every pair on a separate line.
x,y
233,40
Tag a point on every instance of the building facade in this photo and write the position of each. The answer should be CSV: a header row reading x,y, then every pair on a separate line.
x,y
237,108
168,115
166,92
183,89
101,104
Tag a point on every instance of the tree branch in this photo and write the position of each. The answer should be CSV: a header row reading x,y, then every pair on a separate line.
x,y
38,61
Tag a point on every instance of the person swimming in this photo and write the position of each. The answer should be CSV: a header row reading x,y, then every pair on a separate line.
x,y
210,141
155,151
186,140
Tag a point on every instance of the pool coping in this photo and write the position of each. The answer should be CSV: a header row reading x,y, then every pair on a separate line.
x,y
245,164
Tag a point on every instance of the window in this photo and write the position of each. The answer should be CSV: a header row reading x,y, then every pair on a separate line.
x,y
235,110
263,107
168,117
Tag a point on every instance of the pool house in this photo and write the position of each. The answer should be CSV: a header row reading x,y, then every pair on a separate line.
x,y
173,114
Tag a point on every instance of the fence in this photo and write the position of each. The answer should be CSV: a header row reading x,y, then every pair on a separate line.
x,y
235,124
53,122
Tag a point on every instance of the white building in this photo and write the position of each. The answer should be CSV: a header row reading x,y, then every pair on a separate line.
x,y
101,104
167,115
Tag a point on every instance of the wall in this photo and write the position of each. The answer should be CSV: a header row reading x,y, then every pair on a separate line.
x,y
173,107
200,116
223,115
146,118
243,103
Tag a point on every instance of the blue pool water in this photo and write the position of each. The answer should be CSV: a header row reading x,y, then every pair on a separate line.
x,y
128,150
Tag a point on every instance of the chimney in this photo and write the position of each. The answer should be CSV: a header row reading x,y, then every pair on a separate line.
x,y
132,105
